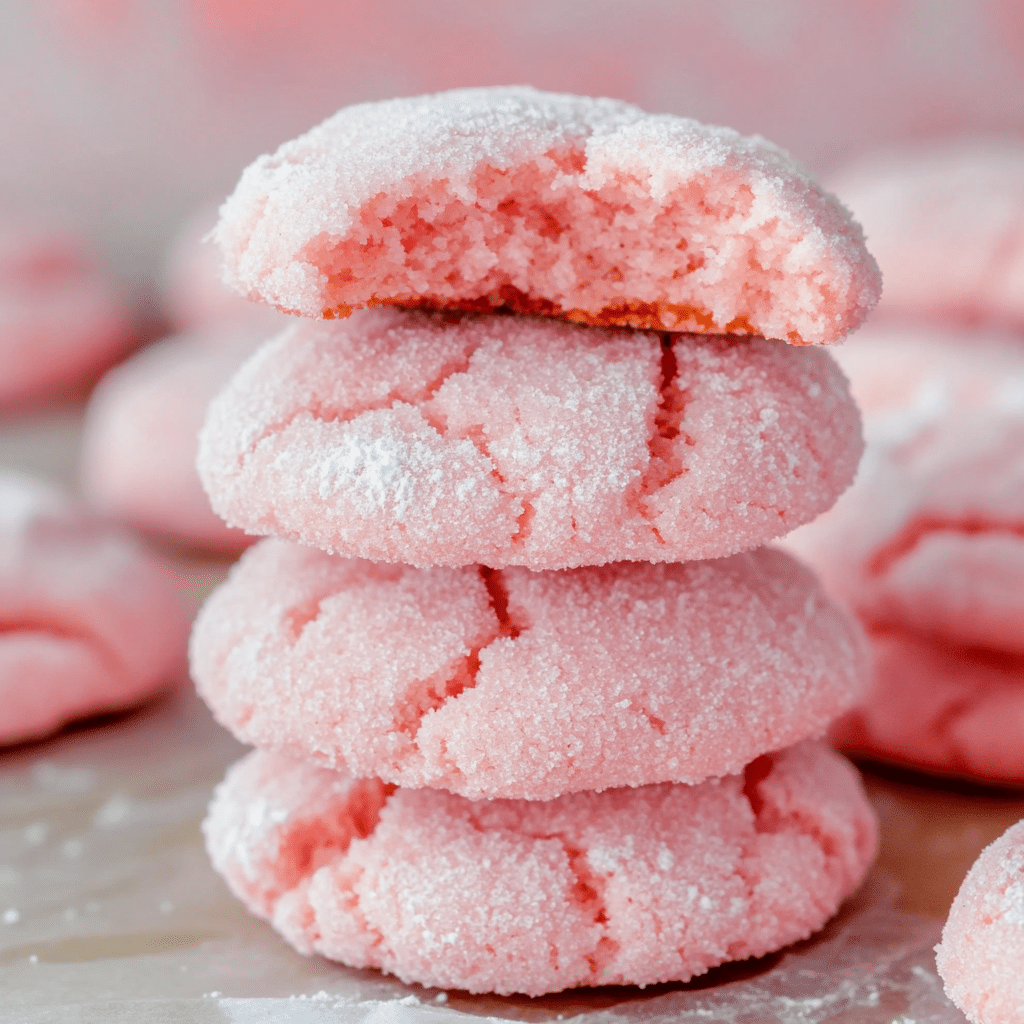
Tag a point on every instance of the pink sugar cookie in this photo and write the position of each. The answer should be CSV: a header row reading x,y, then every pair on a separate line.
x,y
61,322
448,439
91,622
511,683
941,707
946,224
623,887
982,948
139,437
536,202
927,548
194,295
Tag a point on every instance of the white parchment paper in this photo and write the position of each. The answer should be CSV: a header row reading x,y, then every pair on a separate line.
x,y
110,912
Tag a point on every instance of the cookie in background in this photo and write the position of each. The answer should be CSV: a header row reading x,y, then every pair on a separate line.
x,y
94,623
140,431
946,224
927,549
62,322
139,436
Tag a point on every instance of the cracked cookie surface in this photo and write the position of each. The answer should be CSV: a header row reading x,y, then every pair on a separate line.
x,y
511,683
448,439
138,458
585,209
621,887
927,548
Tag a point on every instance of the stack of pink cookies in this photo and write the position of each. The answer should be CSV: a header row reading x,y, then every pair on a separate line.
x,y
533,708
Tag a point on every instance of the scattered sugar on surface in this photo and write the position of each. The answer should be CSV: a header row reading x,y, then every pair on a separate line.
x,y
73,848
36,833
64,780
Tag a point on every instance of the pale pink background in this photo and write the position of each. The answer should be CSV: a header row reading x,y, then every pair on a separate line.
x,y
124,114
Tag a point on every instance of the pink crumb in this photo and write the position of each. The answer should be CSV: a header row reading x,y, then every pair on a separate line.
x,y
520,684
621,887
587,209
982,948
443,439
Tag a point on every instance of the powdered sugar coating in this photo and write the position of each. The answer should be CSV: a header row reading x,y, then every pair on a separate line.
x,y
61,321
982,948
139,437
91,623
440,439
622,887
946,224
927,548
519,684
582,208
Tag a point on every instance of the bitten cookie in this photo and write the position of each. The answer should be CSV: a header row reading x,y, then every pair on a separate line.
x,y
92,623
61,321
447,439
519,684
140,435
945,225
561,205
622,887
982,948
927,548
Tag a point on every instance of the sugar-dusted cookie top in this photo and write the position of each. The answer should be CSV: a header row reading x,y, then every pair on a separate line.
x,y
982,948
625,887
511,683
587,209
448,439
